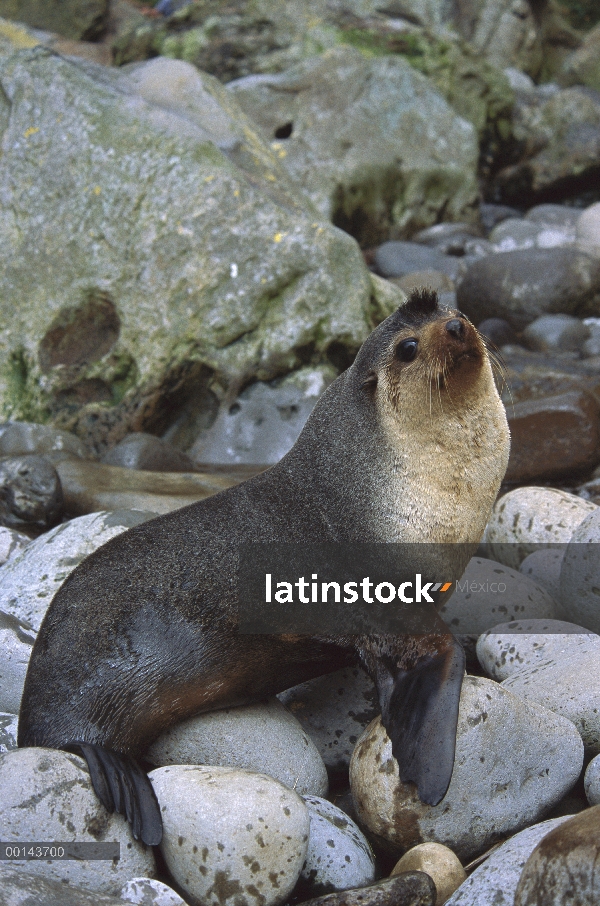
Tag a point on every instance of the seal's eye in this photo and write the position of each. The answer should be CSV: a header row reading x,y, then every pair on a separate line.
x,y
407,349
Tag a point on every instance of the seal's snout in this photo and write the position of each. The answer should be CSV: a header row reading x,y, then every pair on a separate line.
x,y
456,328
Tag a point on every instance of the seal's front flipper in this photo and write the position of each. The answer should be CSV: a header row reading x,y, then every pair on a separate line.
x,y
122,786
419,708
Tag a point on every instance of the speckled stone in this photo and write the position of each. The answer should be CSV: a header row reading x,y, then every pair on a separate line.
x,y
494,882
513,762
231,835
8,732
150,892
338,857
29,582
580,574
22,888
16,643
11,544
588,229
488,593
563,868
526,518
566,682
262,737
591,781
509,647
47,795
334,710
544,566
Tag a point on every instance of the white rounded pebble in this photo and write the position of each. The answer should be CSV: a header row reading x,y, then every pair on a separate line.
x,y
231,836
489,592
339,856
8,731
150,892
334,710
494,882
29,582
11,544
567,683
513,762
262,737
47,795
509,647
16,644
591,781
544,566
587,229
530,517
580,575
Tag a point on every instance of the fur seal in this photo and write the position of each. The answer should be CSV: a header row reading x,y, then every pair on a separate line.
x,y
409,444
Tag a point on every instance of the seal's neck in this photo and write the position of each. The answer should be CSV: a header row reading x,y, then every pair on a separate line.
x,y
429,474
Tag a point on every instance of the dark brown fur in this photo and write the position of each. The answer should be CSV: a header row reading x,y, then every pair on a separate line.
x,y
143,633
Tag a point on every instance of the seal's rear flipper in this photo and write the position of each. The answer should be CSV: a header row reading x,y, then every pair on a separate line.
x,y
122,786
419,710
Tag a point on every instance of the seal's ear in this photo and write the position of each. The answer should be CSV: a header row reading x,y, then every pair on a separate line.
x,y
370,382
419,710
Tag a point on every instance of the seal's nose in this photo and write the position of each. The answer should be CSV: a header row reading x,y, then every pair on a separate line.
x,y
456,328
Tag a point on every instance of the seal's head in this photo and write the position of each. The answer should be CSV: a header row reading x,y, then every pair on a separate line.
x,y
427,353
427,373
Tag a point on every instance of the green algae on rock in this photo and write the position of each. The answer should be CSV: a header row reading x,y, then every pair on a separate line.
x,y
151,251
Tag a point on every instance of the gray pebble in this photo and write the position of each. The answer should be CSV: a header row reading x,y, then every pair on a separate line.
x,y
145,451
544,566
526,234
591,347
556,333
262,737
580,574
509,647
29,582
528,518
47,795
498,331
23,887
8,732
591,781
30,493
488,593
264,422
338,857
395,259
150,892
514,761
11,544
19,438
494,882
566,682
334,710
230,836
16,643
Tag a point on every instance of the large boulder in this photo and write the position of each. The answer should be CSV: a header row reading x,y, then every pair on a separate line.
x,y
76,19
258,36
377,149
583,66
154,250
559,136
